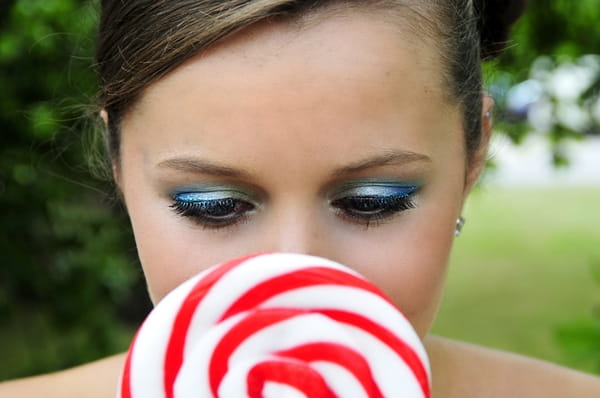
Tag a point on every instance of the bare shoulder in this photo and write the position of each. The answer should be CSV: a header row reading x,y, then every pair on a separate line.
x,y
94,380
465,370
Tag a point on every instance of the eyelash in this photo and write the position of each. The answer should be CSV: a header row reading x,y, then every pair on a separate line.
x,y
227,212
367,209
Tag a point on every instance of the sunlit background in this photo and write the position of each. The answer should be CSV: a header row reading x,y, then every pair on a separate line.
x,y
524,275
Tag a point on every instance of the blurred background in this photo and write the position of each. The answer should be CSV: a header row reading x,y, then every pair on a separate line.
x,y
525,274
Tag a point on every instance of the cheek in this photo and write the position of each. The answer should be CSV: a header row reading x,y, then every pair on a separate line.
x,y
160,249
408,257
169,252
421,274
409,265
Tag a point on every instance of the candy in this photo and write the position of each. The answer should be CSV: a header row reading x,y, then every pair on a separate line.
x,y
276,325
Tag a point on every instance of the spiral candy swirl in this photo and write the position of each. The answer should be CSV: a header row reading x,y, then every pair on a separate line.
x,y
276,325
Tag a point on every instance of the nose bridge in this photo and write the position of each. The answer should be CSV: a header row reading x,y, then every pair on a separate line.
x,y
294,226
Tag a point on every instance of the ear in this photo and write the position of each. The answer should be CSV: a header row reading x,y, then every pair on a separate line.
x,y
477,162
114,162
116,171
104,117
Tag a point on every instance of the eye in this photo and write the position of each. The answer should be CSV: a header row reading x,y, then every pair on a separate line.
x,y
212,209
374,203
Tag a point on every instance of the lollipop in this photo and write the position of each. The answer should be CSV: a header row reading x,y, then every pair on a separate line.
x,y
273,326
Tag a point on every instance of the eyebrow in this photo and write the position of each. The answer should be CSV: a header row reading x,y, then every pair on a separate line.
x,y
387,159
201,166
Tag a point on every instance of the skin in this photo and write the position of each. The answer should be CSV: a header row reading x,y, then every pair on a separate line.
x,y
292,115
352,97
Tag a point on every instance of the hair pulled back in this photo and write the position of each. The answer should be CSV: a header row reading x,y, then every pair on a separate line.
x,y
140,41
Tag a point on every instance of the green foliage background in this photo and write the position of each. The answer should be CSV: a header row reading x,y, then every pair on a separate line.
x,y
561,32
68,257
70,286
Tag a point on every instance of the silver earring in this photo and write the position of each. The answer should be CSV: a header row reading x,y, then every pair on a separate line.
x,y
488,115
460,223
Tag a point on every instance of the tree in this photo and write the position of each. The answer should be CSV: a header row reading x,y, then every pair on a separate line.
x,y
548,82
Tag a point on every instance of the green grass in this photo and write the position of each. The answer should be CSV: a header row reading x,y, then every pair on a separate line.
x,y
522,269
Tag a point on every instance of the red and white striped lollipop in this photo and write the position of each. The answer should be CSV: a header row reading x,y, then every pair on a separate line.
x,y
273,326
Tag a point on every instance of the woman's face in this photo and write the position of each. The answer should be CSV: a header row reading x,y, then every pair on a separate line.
x,y
335,139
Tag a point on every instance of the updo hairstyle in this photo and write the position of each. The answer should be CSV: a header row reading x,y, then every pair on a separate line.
x,y
140,41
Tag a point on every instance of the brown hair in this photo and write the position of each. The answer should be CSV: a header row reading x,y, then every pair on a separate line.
x,y
140,41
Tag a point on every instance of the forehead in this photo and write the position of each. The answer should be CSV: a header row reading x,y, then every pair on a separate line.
x,y
340,76
342,46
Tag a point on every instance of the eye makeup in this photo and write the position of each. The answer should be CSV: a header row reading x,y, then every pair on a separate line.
x,y
372,200
213,206
362,201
